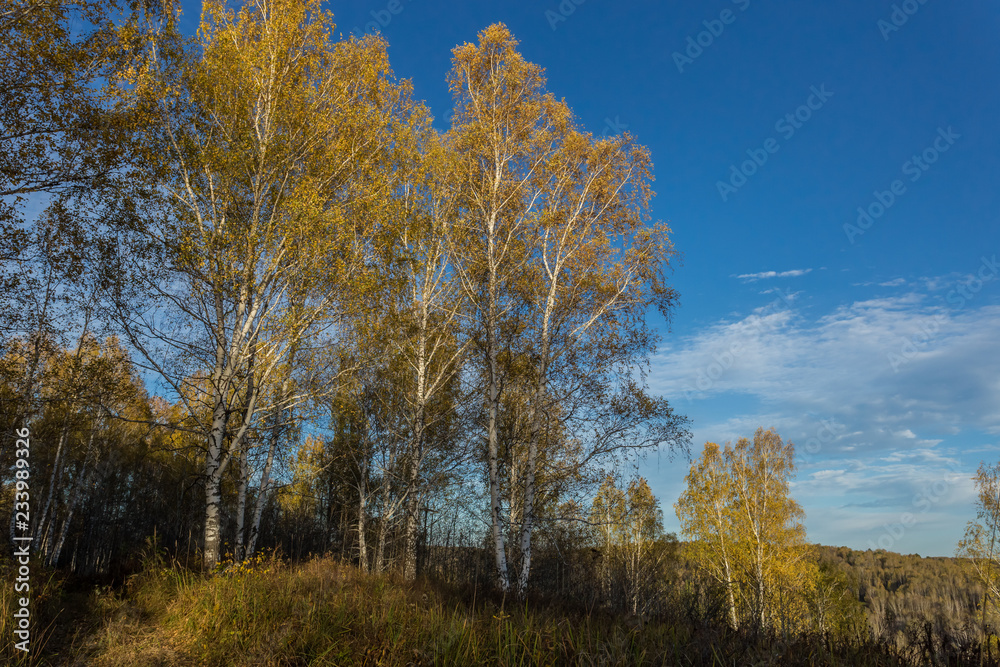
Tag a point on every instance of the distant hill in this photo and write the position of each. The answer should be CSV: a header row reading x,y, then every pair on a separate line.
x,y
902,593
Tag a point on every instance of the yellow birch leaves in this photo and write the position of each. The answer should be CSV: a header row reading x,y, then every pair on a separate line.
x,y
745,531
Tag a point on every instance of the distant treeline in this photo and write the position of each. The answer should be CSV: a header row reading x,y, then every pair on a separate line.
x,y
902,593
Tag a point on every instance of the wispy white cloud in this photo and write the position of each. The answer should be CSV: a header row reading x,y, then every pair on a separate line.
x,y
842,363
873,438
753,277
787,297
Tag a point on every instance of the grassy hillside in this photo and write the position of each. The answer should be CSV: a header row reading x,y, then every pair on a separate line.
x,y
323,612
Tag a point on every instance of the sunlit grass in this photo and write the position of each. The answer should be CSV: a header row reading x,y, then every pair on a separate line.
x,y
325,613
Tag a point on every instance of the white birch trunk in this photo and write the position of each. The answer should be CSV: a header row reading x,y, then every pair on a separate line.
x,y
492,403
83,482
383,526
535,436
241,504
213,484
45,520
527,525
416,454
729,592
412,530
363,516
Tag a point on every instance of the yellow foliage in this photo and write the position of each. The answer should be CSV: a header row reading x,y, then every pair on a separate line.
x,y
745,531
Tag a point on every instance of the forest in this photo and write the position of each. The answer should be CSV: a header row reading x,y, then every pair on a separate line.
x,y
290,374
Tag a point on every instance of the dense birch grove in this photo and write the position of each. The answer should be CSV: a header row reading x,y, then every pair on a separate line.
x,y
259,298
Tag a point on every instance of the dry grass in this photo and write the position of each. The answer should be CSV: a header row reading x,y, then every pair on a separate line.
x,y
326,613
46,601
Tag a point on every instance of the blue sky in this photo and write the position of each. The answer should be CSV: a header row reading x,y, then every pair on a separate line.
x,y
873,346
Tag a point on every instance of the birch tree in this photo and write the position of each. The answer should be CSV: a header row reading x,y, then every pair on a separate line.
x,y
636,553
430,314
705,513
595,267
269,141
745,529
501,135
769,521
557,260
